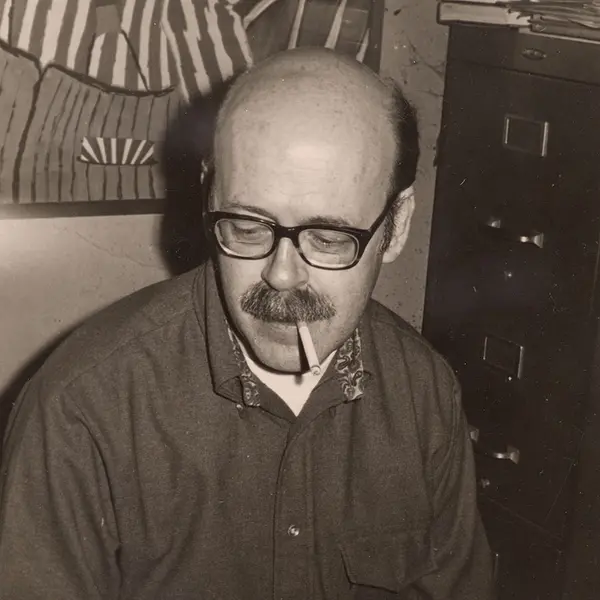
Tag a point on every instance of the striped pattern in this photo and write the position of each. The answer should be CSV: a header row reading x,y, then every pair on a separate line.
x,y
144,45
86,126
44,139
54,171
60,31
342,25
117,151
18,78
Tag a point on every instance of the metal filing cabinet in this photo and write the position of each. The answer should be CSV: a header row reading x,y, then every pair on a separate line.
x,y
511,296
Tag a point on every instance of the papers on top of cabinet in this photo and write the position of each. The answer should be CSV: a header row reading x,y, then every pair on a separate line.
x,y
568,18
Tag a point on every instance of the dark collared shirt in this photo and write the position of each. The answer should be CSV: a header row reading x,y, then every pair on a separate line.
x,y
145,461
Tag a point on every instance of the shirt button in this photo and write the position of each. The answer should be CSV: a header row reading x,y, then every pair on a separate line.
x,y
293,531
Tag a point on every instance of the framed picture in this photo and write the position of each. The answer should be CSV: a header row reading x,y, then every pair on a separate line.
x,y
88,88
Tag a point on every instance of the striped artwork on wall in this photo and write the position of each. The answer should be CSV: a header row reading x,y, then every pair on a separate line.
x,y
139,45
88,87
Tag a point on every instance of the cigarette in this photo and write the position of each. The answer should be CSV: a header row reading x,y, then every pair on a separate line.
x,y
309,348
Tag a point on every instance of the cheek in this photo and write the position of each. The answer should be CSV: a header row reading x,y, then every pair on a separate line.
x,y
355,295
236,277
349,292
359,285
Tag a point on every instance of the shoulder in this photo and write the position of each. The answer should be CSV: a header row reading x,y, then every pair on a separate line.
x,y
396,336
119,328
99,376
408,362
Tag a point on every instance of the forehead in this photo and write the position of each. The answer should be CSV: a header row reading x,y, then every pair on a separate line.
x,y
335,167
292,191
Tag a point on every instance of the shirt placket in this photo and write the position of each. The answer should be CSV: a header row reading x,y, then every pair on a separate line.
x,y
292,527
296,560
294,550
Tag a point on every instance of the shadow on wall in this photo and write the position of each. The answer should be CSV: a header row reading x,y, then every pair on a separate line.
x,y
188,142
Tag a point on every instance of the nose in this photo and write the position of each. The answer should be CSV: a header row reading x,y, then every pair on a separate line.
x,y
286,270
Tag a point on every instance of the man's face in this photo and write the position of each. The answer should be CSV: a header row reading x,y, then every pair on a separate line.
x,y
292,176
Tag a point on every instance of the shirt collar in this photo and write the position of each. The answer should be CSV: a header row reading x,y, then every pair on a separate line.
x,y
249,385
347,366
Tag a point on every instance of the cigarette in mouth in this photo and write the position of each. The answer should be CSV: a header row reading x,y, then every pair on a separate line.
x,y
309,348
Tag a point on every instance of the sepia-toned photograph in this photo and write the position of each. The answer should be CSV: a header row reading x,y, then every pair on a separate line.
x,y
299,300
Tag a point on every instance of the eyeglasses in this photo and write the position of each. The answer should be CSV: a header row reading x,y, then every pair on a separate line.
x,y
322,246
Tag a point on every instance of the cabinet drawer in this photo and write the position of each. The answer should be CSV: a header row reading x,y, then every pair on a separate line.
x,y
539,488
476,268
524,383
496,198
525,469
522,376
524,51
528,564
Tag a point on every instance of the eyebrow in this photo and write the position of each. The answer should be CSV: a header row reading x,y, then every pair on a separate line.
x,y
315,220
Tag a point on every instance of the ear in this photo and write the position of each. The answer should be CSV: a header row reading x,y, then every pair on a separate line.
x,y
404,214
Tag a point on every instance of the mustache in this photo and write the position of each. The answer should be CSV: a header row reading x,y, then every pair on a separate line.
x,y
271,306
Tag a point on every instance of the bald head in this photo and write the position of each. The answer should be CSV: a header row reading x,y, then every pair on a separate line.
x,y
309,106
334,84
309,119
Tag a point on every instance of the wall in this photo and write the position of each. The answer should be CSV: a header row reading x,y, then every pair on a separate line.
x,y
54,272
414,50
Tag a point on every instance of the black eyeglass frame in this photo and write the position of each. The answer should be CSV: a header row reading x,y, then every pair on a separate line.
x,y
362,236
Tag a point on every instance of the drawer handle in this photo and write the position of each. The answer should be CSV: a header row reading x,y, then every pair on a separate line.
x,y
484,483
534,54
473,433
536,238
511,453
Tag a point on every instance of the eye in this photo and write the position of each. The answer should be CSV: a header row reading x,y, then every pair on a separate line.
x,y
327,240
246,227
244,231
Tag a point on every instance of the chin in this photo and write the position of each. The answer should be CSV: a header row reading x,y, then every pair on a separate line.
x,y
271,345
284,360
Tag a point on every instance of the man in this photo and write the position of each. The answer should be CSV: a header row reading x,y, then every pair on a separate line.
x,y
177,445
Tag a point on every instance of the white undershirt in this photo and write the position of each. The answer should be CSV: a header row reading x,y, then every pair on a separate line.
x,y
294,389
